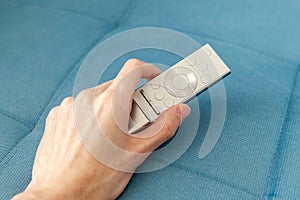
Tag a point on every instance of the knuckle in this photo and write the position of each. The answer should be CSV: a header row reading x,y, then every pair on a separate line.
x,y
85,94
98,90
137,146
53,112
108,94
67,101
87,97
133,63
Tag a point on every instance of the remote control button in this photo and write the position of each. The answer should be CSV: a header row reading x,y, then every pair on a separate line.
x,y
169,102
159,96
180,81
205,78
192,61
202,67
155,85
207,51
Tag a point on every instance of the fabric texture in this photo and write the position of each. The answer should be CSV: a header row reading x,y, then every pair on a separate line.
x,y
43,43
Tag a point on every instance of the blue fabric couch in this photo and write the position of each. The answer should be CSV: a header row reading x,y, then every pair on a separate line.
x,y
42,44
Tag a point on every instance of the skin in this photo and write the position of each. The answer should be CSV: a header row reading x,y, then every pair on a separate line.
x,y
64,169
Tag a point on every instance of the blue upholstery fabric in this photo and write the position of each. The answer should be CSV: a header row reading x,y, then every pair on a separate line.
x,y
43,42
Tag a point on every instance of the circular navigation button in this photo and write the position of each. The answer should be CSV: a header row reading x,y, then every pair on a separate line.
x,y
155,85
159,96
169,102
180,81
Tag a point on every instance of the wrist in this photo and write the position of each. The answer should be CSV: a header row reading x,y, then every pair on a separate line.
x,y
36,192
25,196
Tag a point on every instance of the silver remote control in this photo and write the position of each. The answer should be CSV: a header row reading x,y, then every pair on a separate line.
x,y
178,84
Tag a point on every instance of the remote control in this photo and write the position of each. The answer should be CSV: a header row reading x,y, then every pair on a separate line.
x,y
180,83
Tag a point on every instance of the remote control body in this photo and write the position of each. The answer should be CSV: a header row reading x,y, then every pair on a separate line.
x,y
178,84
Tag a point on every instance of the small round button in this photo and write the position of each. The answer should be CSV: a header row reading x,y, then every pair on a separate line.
x,y
203,67
192,61
205,78
169,102
155,85
159,96
207,51
180,81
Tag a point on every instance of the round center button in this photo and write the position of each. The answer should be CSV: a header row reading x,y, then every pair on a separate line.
x,y
180,81
159,96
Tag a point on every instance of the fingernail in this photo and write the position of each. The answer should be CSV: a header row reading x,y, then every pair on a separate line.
x,y
184,110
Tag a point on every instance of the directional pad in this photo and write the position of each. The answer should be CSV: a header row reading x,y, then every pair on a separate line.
x,y
180,82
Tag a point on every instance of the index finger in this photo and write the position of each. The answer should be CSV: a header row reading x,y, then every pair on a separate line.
x,y
125,84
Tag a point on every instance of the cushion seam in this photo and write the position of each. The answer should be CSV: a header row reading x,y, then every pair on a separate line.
x,y
16,119
218,180
278,155
126,14
6,161
63,10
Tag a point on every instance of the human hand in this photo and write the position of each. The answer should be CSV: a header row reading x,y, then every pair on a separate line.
x,y
64,166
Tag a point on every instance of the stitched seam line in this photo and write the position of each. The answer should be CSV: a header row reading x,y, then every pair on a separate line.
x,y
12,147
62,10
278,156
279,178
16,119
215,179
10,153
208,176
126,14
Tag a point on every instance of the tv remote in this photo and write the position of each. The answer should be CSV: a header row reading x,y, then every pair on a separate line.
x,y
180,83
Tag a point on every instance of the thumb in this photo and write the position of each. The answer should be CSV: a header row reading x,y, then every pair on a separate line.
x,y
164,127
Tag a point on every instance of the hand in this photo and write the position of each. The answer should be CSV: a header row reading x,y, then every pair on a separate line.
x,y
65,169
